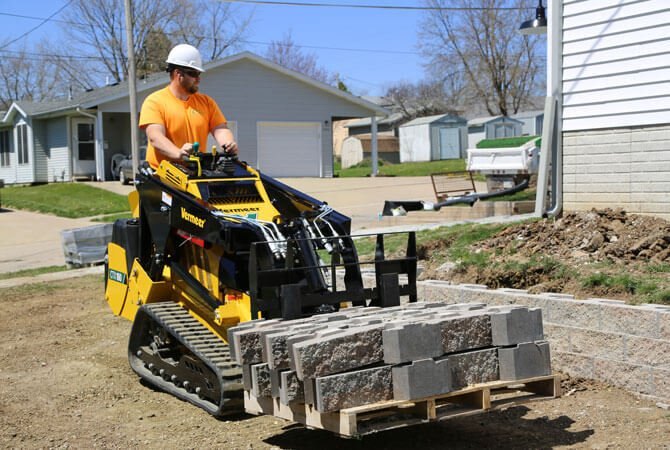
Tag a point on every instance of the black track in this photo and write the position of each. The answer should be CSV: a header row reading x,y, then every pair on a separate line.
x,y
174,352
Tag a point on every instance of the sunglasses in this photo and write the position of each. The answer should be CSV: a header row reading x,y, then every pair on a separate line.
x,y
191,73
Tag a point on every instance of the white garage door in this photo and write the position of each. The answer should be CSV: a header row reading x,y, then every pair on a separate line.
x,y
289,149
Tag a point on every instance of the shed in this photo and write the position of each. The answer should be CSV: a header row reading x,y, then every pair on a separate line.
x,y
532,122
492,127
432,138
282,121
359,147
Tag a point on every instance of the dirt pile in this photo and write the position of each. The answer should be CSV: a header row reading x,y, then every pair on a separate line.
x,y
596,235
599,253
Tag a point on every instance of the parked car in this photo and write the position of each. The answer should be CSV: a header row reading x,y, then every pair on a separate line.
x,y
126,175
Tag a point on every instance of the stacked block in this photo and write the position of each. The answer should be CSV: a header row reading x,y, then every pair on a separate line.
x,y
359,356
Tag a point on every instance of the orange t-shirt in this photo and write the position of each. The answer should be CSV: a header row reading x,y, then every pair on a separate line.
x,y
184,120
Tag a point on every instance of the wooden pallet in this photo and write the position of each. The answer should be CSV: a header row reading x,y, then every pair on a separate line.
x,y
372,418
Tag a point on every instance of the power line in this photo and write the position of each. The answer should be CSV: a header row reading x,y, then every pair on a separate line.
x,y
391,7
36,27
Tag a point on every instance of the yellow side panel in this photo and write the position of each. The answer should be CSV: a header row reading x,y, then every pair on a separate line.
x,y
134,202
117,278
142,290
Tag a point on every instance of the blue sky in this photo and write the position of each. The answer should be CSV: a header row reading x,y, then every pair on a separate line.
x,y
365,71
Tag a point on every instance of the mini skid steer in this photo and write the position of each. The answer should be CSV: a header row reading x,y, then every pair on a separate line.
x,y
213,243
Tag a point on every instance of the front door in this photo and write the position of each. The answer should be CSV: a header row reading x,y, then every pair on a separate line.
x,y
83,145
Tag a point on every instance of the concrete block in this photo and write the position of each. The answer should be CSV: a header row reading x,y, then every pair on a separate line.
x,y
524,361
275,381
246,377
344,350
465,306
423,378
515,325
246,343
480,366
290,388
409,341
260,380
346,390
465,331
309,390
275,347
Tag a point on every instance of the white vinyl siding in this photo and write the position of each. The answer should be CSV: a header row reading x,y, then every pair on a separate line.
x,y
615,63
289,149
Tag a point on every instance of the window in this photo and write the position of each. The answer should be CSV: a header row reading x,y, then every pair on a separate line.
x,y
22,141
4,148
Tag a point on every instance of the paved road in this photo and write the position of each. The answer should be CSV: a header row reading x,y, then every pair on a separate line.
x,y
29,240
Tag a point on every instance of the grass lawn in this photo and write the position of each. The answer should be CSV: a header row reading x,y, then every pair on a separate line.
x,y
32,272
71,200
408,169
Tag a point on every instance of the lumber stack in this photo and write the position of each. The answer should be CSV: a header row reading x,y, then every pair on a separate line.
x,y
359,356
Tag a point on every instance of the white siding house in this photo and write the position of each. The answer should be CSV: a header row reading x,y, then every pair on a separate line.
x,y
613,81
282,121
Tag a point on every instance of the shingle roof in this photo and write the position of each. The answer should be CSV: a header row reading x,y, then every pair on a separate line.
x,y
431,119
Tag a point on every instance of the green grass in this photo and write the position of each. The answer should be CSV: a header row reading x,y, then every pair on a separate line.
x,y
32,272
71,200
408,169
113,217
507,142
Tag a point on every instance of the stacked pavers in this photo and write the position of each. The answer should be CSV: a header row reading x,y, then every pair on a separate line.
x,y
366,355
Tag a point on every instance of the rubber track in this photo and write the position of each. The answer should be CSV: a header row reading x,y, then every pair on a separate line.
x,y
209,348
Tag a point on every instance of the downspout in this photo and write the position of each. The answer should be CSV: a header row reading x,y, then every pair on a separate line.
x,y
551,153
95,118
373,150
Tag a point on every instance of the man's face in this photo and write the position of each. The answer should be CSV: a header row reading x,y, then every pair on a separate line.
x,y
189,79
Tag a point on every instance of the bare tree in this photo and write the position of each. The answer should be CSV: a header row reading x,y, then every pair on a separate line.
x,y
97,28
502,68
288,54
425,98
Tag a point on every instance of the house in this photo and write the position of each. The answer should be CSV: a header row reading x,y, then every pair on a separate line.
x,y
431,138
282,121
610,82
532,122
492,127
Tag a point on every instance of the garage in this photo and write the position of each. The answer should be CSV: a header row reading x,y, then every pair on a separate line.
x,y
289,149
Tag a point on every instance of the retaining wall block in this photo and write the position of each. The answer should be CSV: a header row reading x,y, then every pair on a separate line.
x,y
260,380
344,350
475,367
512,325
290,388
346,390
465,331
406,342
422,378
524,361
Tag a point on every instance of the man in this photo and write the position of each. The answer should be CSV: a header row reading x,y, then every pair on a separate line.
x,y
177,116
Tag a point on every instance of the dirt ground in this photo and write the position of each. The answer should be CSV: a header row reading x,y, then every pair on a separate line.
x,y
65,383
586,243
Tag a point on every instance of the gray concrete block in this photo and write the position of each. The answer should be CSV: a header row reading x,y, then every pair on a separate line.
x,y
260,380
480,366
246,377
514,325
291,389
309,390
466,331
275,347
344,350
524,361
410,341
346,390
465,306
275,381
245,341
292,340
423,378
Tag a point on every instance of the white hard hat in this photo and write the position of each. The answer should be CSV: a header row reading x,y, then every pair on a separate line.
x,y
185,55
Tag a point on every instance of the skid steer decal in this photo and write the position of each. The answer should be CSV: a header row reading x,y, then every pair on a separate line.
x,y
195,220
117,276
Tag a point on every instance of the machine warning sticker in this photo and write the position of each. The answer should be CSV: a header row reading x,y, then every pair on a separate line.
x,y
166,198
117,276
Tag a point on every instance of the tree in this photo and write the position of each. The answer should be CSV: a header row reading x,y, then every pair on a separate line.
x,y
501,68
98,29
288,54
425,98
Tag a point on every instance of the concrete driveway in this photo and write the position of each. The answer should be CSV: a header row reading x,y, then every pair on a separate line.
x,y
29,240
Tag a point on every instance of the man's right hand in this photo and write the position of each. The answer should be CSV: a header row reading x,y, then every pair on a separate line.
x,y
185,151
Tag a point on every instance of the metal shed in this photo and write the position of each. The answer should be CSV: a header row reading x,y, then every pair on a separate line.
x,y
492,127
433,138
